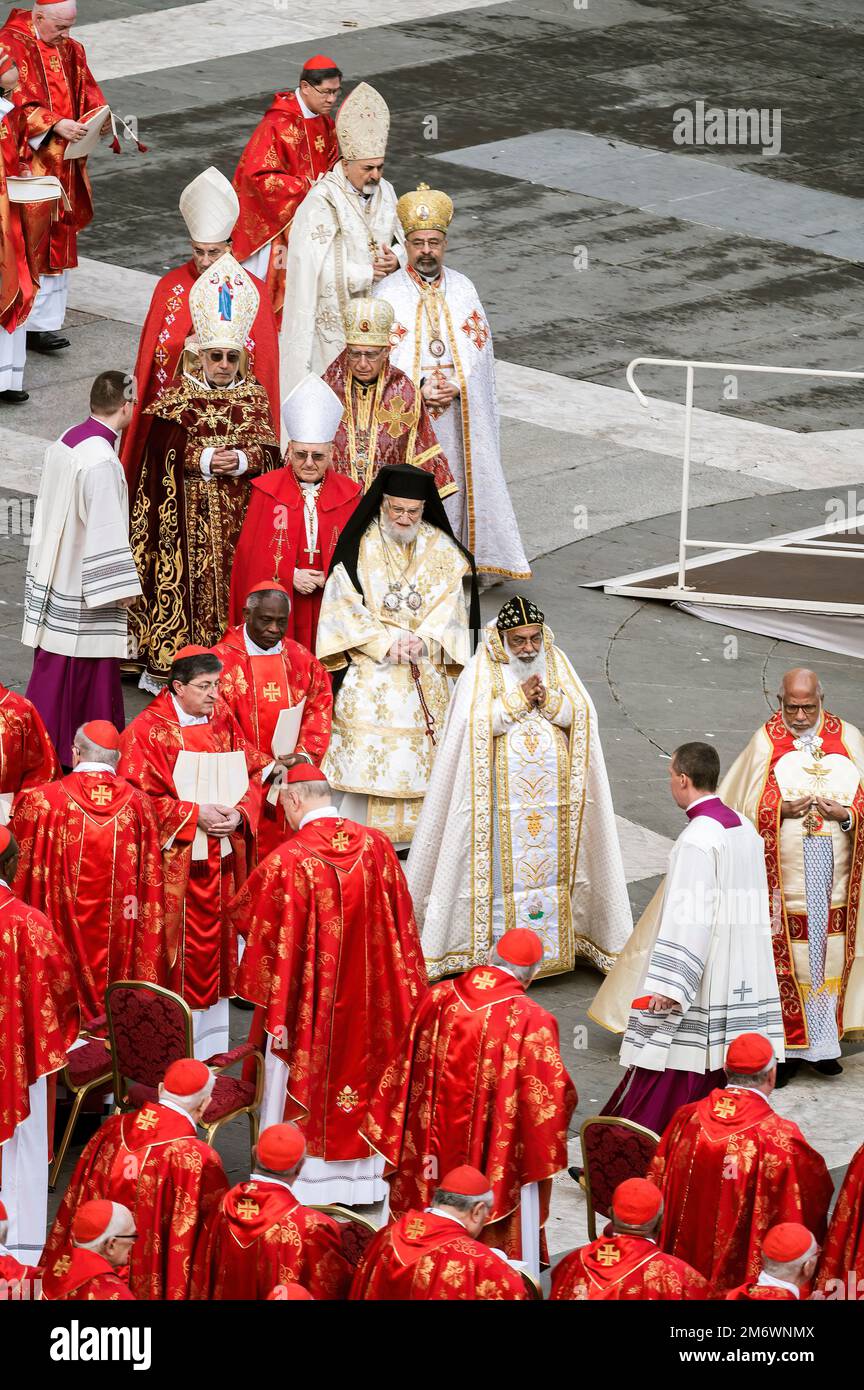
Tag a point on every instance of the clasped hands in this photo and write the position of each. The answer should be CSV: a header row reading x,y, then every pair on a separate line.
x,y
828,810
224,461
535,692
218,820
384,263
405,649
438,389
307,581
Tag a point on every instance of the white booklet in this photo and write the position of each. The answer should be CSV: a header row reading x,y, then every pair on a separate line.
x,y
287,730
87,144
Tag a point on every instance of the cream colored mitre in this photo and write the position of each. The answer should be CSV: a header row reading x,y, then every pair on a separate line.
x,y
209,207
223,303
363,124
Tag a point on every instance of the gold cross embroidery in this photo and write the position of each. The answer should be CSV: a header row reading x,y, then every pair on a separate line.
x,y
725,1107
416,1227
271,692
62,1266
396,417
148,1119
485,981
319,143
608,1255
247,1209
320,233
101,795
341,841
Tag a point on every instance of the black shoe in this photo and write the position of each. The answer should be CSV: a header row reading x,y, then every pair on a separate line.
x,y
786,1071
46,342
14,397
242,1004
829,1067
576,1173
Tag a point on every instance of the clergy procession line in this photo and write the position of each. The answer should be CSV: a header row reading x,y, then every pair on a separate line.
x,y
327,708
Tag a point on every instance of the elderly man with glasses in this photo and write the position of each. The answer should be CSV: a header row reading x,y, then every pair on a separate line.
x,y
211,434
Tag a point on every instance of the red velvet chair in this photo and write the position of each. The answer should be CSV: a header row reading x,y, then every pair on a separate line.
x,y
151,1027
356,1231
612,1151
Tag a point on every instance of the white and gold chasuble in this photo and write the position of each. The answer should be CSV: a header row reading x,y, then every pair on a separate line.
x,y
517,828
379,746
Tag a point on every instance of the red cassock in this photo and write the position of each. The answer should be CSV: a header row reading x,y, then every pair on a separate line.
x,y
260,1236
39,1014
273,543
843,1251
56,84
27,757
480,1081
82,1274
624,1267
425,1256
200,940
333,959
761,1293
91,859
167,326
255,689
17,285
153,1162
285,155
732,1156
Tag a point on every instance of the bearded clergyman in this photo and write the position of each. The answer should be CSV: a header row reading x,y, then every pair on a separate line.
x,y
517,828
394,628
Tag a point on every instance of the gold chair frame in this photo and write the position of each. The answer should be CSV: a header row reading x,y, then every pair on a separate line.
x,y
586,1174
80,1094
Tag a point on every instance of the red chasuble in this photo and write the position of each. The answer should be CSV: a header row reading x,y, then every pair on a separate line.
x,y
153,1162
732,1156
39,1016
260,1236
624,1267
167,326
793,926
56,84
759,1293
82,1274
27,757
200,940
19,1280
284,157
333,958
91,859
255,689
843,1251
384,423
480,1081
17,285
424,1256
273,543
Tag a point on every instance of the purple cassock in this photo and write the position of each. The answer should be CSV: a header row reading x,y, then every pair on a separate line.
x,y
650,1098
69,691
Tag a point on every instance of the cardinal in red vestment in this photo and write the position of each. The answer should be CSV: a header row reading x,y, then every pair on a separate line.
x,y
385,419
39,1022
91,859
842,1261
103,1234
628,1264
57,92
207,834
333,960
263,674
732,1156
17,1280
293,146
436,1253
260,1236
209,208
17,284
27,757
296,514
480,1079
789,1259
152,1162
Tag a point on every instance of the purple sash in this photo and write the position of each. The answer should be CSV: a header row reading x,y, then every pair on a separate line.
x,y
717,810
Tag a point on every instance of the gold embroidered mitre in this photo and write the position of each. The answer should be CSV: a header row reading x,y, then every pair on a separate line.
x,y
367,322
223,303
363,124
426,210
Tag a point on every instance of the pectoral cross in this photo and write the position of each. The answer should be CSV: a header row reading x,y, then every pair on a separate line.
x,y
341,841
485,981
101,795
725,1107
271,691
416,1227
608,1255
247,1209
148,1119
310,552
741,991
